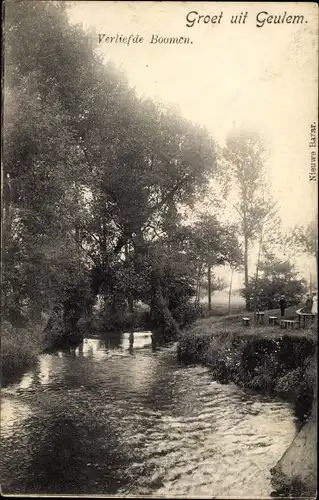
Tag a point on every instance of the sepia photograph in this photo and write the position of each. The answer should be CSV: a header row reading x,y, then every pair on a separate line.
x,y
159,249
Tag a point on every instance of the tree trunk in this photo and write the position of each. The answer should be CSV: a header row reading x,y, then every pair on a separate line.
x,y
230,289
130,304
159,305
199,290
72,312
246,270
160,310
259,253
209,279
198,285
196,295
15,315
130,301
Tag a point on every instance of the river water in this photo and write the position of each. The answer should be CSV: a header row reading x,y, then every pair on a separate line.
x,y
106,418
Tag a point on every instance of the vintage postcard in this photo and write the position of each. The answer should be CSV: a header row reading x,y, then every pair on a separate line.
x,y
159,249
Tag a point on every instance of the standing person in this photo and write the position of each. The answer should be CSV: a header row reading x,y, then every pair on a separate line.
x,y
282,305
308,304
314,309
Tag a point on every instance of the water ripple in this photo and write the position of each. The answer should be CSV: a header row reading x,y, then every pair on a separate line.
x,y
88,421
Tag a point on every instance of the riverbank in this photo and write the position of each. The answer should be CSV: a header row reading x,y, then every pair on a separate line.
x,y
271,360
295,474
20,348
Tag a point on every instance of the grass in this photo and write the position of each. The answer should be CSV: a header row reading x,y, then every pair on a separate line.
x,y
232,324
263,357
19,349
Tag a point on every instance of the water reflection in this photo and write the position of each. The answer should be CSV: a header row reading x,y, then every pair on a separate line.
x,y
136,340
115,417
45,367
102,348
26,381
91,348
13,415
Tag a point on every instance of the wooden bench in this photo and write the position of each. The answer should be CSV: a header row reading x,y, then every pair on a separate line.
x,y
304,318
260,317
273,320
286,323
246,321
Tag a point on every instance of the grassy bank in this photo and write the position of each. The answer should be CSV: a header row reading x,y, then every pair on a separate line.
x,y
19,350
263,357
20,347
273,360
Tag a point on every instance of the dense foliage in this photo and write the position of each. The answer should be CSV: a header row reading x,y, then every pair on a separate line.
x,y
276,278
94,181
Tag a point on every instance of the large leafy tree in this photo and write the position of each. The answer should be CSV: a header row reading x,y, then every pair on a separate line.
x,y
42,162
92,172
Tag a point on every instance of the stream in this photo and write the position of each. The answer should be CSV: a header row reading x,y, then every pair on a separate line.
x,y
109,418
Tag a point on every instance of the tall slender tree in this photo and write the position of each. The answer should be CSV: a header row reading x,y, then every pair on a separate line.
x,y
245,188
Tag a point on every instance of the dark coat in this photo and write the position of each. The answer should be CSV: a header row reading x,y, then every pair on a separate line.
x,y
282,303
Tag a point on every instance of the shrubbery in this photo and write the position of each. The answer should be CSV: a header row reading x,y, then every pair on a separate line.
x,y
283,365
19,349
188,312
276,279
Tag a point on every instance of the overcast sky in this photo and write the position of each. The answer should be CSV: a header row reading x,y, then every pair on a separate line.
x,y
231,75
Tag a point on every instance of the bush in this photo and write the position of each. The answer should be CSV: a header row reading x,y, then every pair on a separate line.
x,y
283,364
188,312
278,278
19,349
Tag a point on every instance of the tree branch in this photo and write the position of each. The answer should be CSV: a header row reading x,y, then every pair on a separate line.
x,y
238,211
89,254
